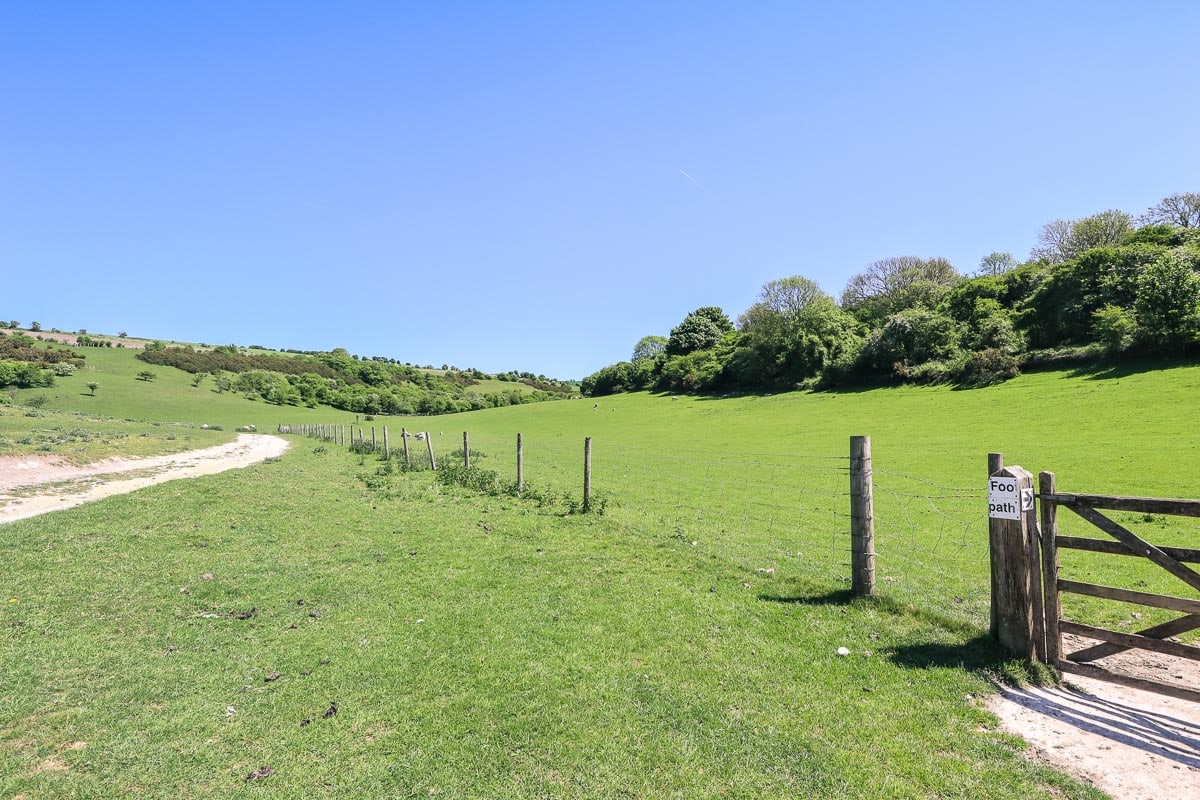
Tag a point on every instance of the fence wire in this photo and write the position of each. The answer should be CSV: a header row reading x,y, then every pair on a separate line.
x,y
784,517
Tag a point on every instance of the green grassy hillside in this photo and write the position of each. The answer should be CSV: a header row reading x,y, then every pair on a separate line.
x,y
368,631
170,397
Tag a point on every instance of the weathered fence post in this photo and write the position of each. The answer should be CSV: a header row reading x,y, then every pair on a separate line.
x,y
466,451
520,464
387,451
429,444
372,438
1052,605
587,474
404,442
1016,570
862,518
995,464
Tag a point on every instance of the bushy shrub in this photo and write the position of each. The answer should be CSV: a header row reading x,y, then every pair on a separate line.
x,y
987,367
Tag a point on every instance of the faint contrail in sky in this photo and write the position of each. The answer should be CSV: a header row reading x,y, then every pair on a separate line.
x,y
689,177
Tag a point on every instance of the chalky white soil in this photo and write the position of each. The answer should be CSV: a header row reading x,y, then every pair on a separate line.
x,y
1129,743
33,485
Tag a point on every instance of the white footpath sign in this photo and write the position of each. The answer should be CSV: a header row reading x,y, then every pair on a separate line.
x,y
1004,498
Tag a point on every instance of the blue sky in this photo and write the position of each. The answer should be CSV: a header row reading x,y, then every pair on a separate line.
x,y
536,186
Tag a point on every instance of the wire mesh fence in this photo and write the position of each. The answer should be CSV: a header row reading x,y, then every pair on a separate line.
x,y
787,516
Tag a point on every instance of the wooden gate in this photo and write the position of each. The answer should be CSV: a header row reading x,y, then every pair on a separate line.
x,y
1122,543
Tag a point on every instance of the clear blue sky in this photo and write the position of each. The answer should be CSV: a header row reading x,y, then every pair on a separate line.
x,y
538,185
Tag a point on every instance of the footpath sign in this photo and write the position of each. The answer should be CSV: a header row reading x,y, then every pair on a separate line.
x,y
1006,500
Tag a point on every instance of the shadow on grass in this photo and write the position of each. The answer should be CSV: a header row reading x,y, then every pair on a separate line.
x,y
1109,370
975,651
811,595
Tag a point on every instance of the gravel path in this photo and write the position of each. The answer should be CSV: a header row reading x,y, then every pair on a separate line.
x,y
33,485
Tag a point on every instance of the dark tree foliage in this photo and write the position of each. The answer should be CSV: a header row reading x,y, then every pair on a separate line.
x,y
700,330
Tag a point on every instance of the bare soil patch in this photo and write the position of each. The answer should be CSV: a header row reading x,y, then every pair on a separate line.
x,y
33,485
1132,744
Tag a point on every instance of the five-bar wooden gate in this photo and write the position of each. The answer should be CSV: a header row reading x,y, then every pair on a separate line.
x,y
1122,543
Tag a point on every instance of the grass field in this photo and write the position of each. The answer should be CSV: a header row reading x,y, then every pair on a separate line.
x,y
170,397
82,438
681,644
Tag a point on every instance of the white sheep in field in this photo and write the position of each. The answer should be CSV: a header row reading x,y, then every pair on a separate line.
x,y
418,436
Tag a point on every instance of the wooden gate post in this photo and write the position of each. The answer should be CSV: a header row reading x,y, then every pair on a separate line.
x,y
862,518
429,444
466,451
404,441
1016,567
1051,602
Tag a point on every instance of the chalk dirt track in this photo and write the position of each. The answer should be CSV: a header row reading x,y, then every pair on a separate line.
x,y
33,485
1130,744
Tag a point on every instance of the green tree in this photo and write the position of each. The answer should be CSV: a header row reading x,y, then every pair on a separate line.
x,y
35,326
1180,210
894,284
700,330
146,375
1063,240
1114,327
1168,299
93,386
649,347
995,264
913,337
790,334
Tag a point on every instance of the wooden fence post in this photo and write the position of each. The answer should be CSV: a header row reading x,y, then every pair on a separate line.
x,y
404,442
520,464
387,451
429,444
1016,568
466,451
862,518
587,474
995,464
372,438
1052,605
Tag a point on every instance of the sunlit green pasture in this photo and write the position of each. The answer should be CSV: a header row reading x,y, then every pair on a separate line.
x,y
412,640
764,479
682,643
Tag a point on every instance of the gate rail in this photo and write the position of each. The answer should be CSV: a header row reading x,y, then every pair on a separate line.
x,y
1124,543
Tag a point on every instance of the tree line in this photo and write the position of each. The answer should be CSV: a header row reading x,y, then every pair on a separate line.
x,y
26,365
337,378
1104,286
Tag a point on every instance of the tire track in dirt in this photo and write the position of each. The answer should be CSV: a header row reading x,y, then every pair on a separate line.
x,y
33,485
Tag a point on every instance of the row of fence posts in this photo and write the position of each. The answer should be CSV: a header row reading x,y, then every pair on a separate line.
x,y
862,506
337,434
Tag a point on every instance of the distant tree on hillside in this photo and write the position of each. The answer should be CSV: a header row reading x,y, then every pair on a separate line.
x,y
897,283
1062,240
35,326
1168,299
995,264
1180,210
146,375
93,386
700,330
649,347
